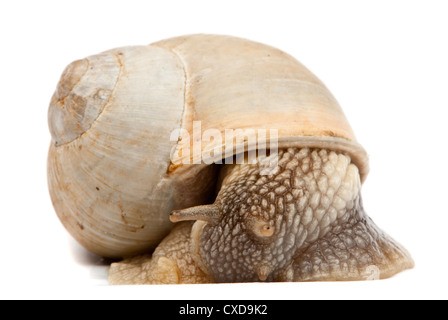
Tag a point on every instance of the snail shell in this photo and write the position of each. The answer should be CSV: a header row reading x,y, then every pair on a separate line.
x,y
115,175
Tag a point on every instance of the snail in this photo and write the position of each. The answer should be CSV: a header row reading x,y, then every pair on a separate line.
x,y
206,159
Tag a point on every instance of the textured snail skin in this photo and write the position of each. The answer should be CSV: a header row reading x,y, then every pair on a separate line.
x,y
171,263
303,222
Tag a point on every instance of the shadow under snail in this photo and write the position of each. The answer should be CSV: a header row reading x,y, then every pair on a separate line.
x,y
140,139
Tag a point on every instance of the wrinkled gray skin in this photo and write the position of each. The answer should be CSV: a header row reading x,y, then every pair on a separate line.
x,y
304,221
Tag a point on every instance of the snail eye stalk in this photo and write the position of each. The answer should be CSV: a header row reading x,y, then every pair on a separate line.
x,y
208,213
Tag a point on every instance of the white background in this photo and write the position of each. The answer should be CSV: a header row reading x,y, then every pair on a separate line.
x,y
385,62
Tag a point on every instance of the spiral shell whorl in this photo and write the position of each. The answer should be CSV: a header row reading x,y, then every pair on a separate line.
x,y
107,162
81,95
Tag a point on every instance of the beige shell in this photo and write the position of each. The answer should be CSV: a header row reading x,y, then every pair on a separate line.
x,y
111,177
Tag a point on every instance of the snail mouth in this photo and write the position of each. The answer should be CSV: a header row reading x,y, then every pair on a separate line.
x,y
264,271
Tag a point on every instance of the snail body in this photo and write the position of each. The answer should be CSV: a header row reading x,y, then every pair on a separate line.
x,y
125,163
